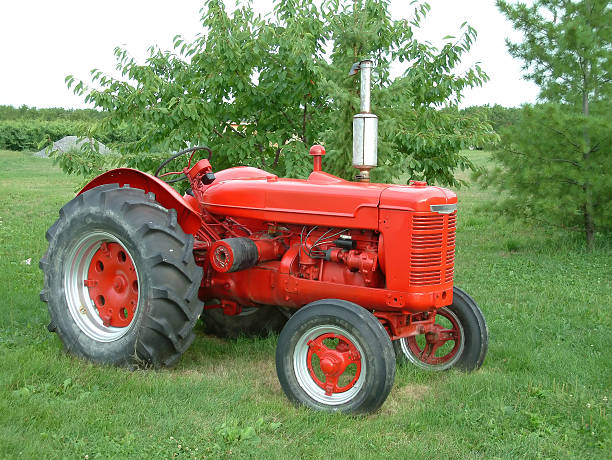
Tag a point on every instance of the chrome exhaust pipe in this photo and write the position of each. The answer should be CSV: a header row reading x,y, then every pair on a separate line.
x,y
365,126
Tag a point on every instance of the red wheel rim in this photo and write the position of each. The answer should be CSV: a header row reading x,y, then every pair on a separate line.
x,y
113,285
333,362
435,349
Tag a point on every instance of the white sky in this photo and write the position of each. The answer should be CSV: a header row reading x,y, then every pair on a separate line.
x,y
42,41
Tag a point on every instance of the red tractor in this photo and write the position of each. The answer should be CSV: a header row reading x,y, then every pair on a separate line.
x,y
357,274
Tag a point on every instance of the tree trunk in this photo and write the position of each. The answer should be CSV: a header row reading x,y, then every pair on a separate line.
x,y
589,225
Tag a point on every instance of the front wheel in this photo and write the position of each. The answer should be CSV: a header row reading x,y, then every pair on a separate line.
x,y
333,355
460,340
121,282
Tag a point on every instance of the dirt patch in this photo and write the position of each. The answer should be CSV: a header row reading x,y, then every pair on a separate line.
x,y
413,392
260,375
402,398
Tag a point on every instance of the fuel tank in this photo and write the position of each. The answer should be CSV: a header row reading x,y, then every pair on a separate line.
x,y
322,199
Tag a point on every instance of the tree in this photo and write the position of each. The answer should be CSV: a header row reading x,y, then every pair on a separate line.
x,y
543,167
499,117
261,91
566,51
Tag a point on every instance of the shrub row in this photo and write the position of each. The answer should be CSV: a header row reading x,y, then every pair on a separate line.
x,y
25,134
8,112
29,134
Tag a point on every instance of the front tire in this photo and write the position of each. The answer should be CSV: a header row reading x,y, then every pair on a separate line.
x,y
121,282
333,355
462,341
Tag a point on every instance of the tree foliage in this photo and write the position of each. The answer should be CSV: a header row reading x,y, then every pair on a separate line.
x,y
498,116
566,49
542,164
558,154
260,91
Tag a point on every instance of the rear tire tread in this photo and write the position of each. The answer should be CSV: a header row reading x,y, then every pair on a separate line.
x,y
168,295
163,327
165,331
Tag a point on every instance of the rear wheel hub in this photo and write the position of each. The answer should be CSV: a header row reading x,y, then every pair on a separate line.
x,y
102,287
113,285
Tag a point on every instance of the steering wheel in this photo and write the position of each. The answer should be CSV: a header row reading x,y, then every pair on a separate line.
x,y
193,150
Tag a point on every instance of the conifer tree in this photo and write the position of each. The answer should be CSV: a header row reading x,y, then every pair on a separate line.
x,y
555,161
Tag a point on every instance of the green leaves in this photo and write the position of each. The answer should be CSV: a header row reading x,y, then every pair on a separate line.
x,y
261,91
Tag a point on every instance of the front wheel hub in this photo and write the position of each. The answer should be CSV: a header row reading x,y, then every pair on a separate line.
x,y
439,348
333,362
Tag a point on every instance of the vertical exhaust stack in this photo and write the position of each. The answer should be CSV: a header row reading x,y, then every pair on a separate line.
x,y
365,126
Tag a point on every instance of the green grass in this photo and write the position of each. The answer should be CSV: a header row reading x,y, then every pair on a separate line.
x,y
543,390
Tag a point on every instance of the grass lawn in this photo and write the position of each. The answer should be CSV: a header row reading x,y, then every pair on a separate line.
x,y
543,390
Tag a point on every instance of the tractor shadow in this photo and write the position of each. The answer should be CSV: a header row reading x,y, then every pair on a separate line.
x,y
248,360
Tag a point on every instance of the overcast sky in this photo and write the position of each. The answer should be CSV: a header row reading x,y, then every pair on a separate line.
x,y
42,41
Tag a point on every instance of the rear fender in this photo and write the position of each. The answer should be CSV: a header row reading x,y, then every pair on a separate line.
x,y
187,215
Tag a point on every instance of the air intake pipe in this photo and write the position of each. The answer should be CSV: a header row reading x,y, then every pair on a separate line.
x,y
235,254
365,126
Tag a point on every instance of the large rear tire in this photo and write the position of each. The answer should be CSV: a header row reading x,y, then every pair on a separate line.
x,y
333,355
121,282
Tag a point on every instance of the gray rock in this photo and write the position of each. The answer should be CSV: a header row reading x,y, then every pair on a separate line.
x,y
71,143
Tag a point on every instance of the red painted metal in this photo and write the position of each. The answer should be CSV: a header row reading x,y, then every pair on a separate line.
x,y
357,261
242,172
198,170
113,285
335,353
297,279
270,249
229,308
337,204
317,151
435,337
377,245
221,256
187,215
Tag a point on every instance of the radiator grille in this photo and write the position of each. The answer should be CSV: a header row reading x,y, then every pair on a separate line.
x,y
432,255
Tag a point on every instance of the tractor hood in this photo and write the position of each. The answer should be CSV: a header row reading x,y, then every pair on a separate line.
x,y
322,199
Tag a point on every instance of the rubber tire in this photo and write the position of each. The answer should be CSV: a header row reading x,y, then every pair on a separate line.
x,y
372,337
476,333
168,305
258,322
